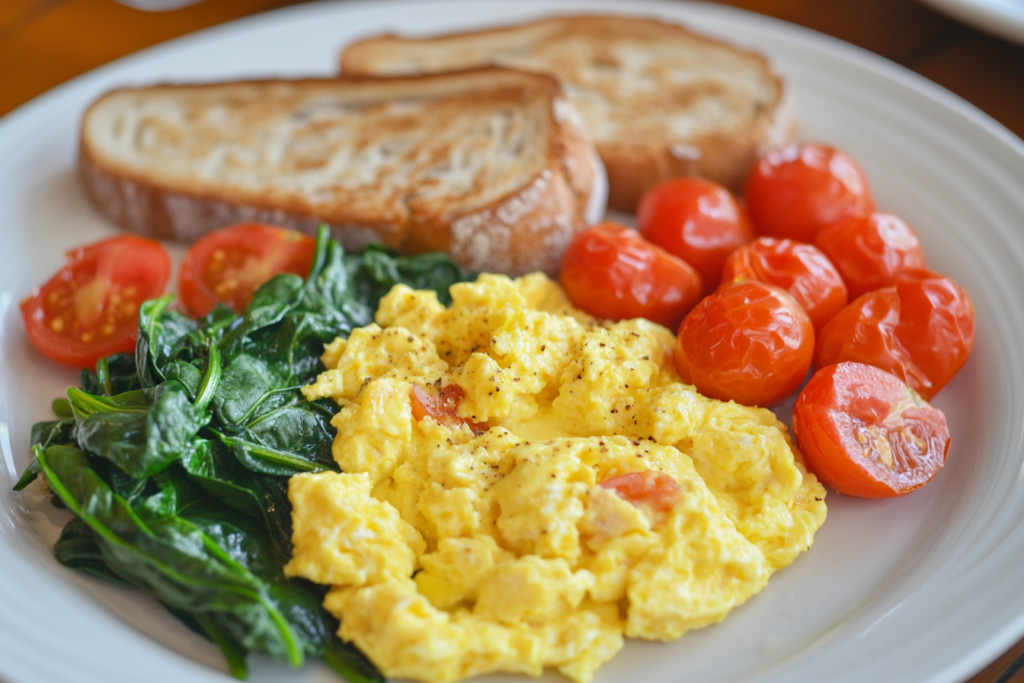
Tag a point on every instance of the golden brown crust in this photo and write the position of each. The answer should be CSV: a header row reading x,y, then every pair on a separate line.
x,y
632,127
518,229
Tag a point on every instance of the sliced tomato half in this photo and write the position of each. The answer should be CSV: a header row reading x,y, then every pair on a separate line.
x,y
229,265
89,308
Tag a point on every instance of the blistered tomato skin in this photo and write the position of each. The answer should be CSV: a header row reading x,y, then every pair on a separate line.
x,y
748,342
869,252
610,271
697,220
795,191
921,330
863,432
800,269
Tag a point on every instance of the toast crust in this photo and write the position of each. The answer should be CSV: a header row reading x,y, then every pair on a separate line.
x,y
657,99
483,163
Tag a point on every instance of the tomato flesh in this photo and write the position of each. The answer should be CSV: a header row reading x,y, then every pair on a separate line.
x,y
228,266
800,269
749,342
697,220
649,488
863,432
89,308
795,191
921,329
440,404
869,252
610,271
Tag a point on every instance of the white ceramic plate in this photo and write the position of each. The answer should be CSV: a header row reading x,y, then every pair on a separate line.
x,y
1004,18
929,587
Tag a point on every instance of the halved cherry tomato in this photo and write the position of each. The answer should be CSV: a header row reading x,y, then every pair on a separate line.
x,y
865,433
697,220
869,251
610,271
441,404
749,342
799,268
797,190
648,488
89,309
921,330
229,265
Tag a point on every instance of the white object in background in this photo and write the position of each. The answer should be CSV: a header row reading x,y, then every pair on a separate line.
x,y
1004,18
158,5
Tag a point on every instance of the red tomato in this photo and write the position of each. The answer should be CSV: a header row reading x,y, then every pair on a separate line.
x,y
869,251
698,221
921,330
749,342
89,309
612,272
800,269
655,490
441,404
797,190
229,265
865,433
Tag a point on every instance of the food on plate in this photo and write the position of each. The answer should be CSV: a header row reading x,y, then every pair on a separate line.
x,y
228,266
657,99
583,494
866,433
921,330
611,272
489,165
89,308
748,342
796,190
801,269
869,251
174,458
697,220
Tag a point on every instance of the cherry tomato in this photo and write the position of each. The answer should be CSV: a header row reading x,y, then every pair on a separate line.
x,y
797,190
229,265
799,268
921,330
698,221
89,308
749,342
649,488
869,251
441,404
865,433
610,271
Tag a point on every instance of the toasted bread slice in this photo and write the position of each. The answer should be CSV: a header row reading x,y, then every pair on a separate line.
x,y
489,165
657,100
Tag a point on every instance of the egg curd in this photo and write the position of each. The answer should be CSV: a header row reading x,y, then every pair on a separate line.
x,y
457,550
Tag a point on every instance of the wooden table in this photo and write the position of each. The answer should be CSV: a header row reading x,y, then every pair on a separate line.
x,y
46,42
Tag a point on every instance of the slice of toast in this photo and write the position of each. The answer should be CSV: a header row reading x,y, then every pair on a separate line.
x,y
488,164
657,100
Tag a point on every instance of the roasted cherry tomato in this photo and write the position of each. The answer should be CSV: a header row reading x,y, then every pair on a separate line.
x,y
441,404
797,190
610,271
698,221
869,251
649,488
229,265
90,308
749,342
921,330
799,268
865,433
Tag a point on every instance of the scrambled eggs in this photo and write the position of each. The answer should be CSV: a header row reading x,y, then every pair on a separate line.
x,y
487,543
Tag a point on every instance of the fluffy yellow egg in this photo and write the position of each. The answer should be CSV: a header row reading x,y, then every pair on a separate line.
x,y
477,525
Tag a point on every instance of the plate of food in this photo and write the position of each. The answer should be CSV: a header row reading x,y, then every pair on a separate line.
x,y
466,475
